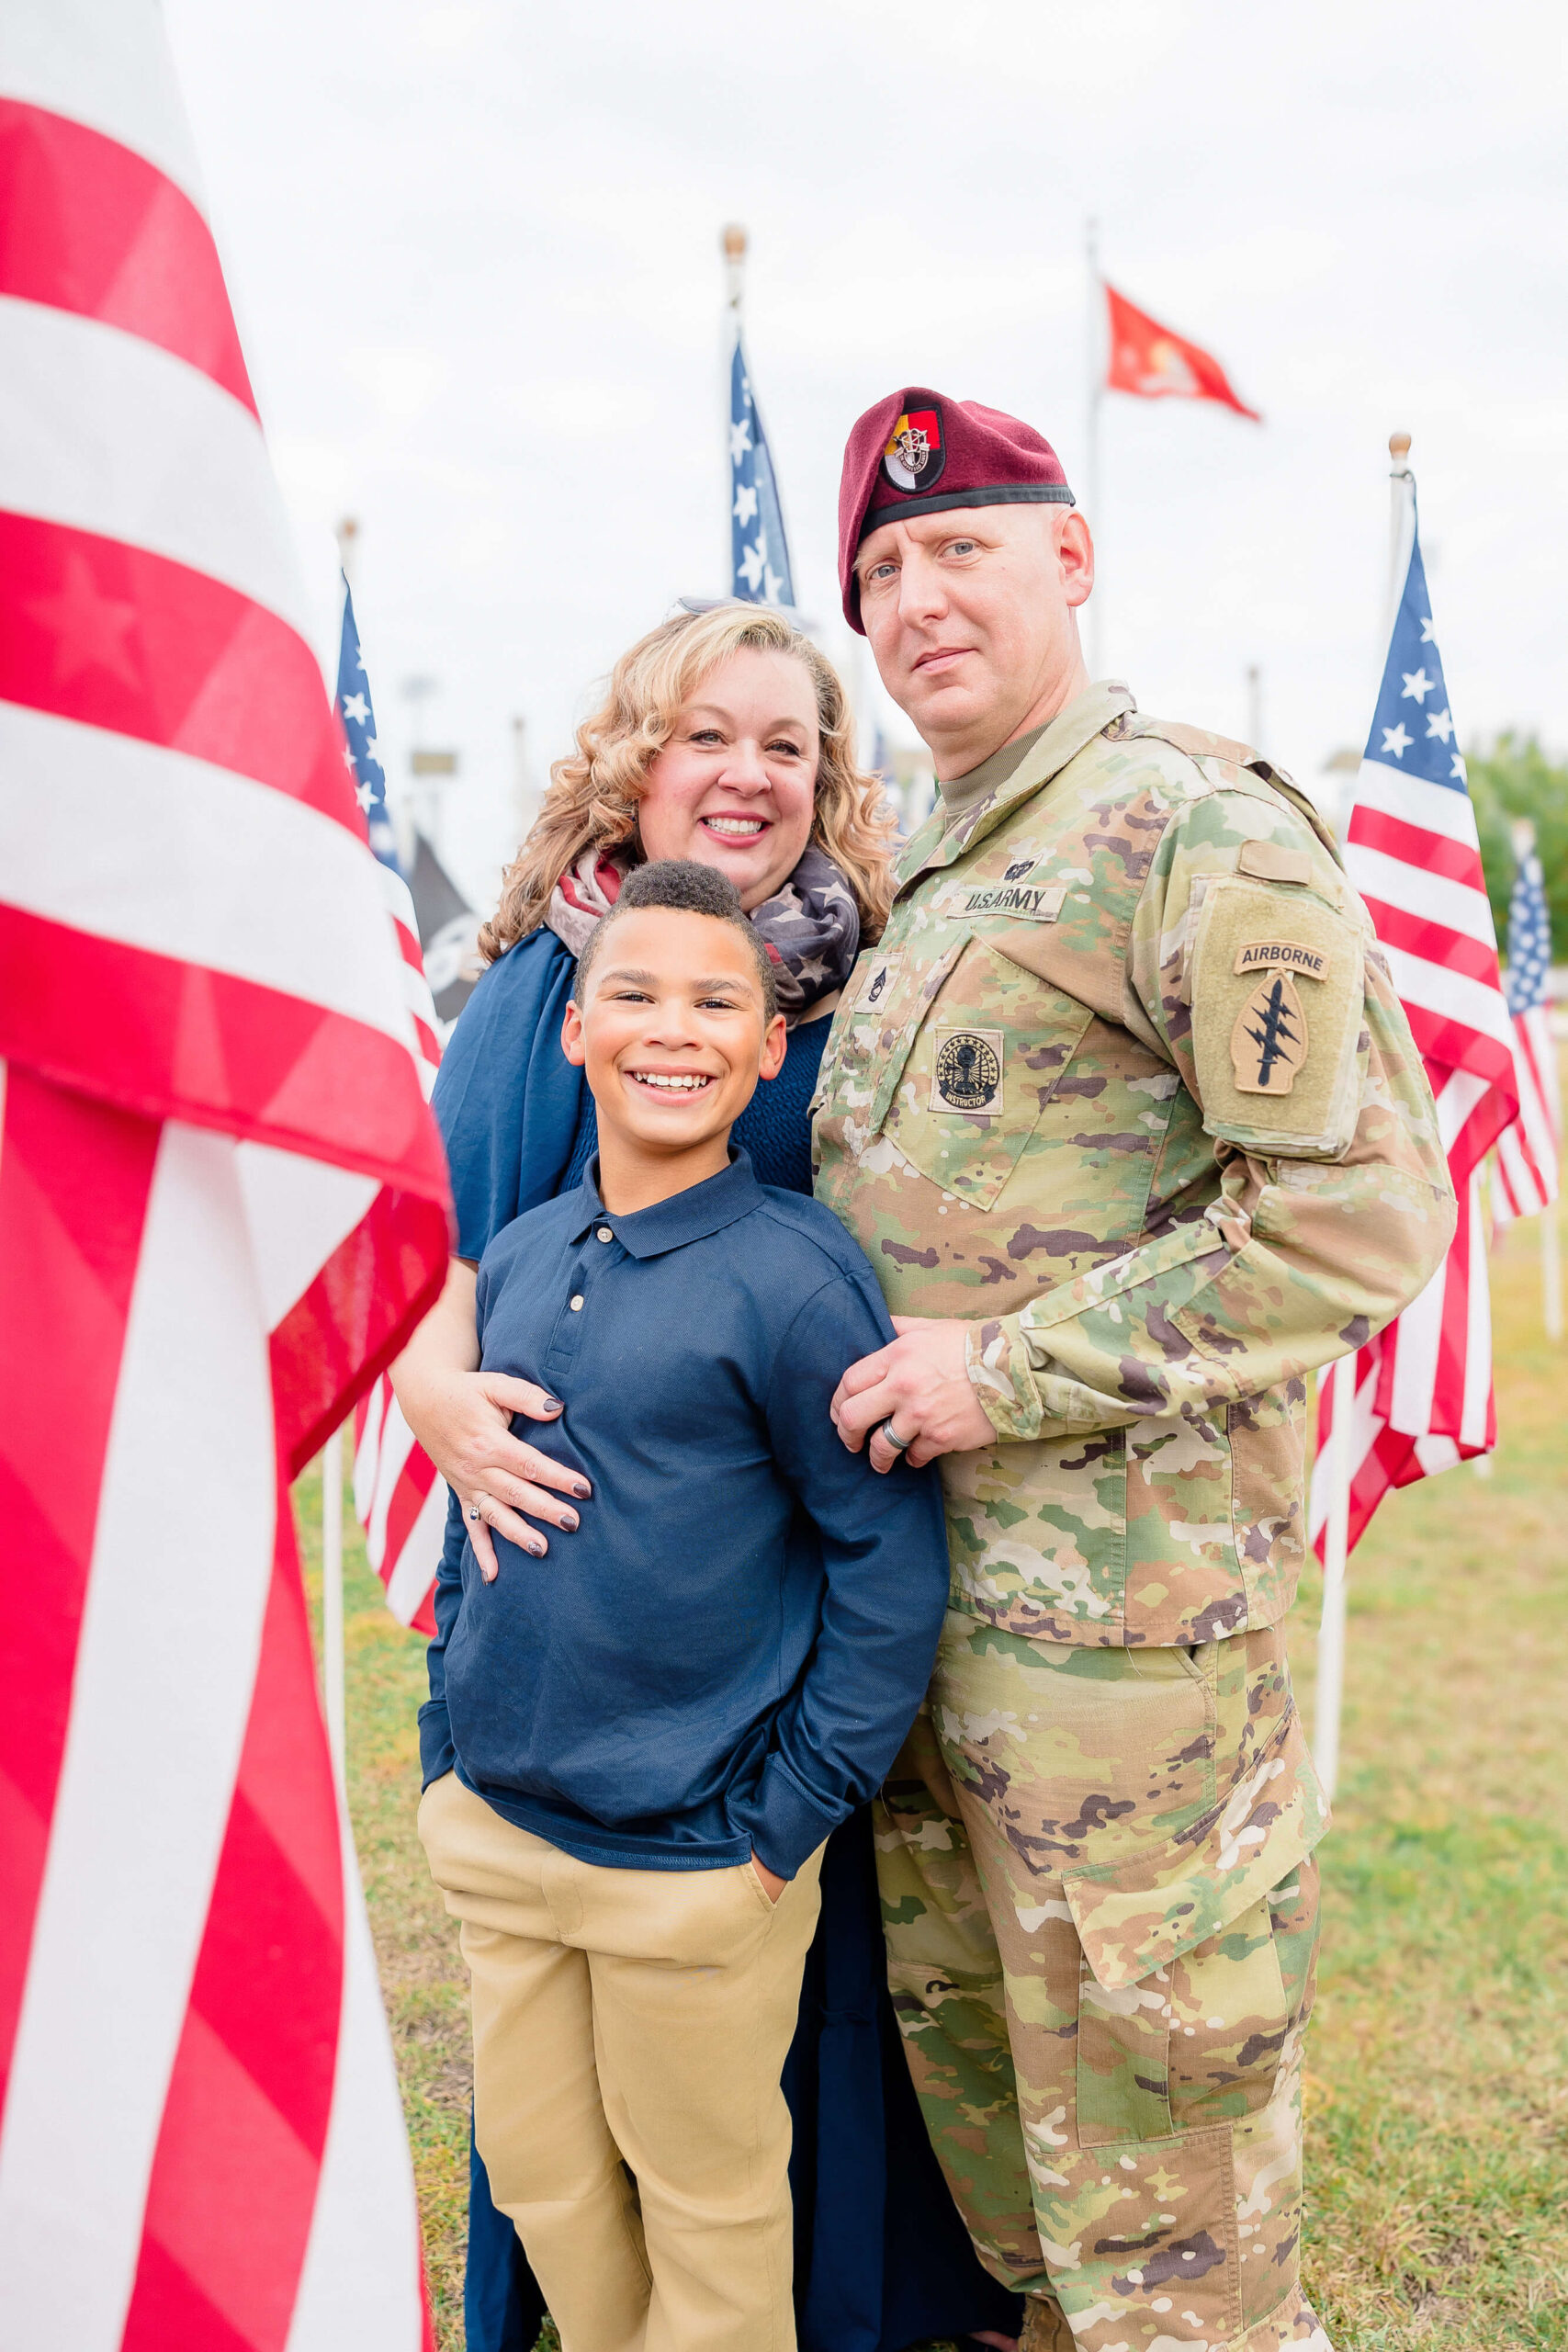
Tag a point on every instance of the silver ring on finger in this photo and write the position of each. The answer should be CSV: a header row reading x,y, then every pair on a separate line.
x,y
889,1436
474,1512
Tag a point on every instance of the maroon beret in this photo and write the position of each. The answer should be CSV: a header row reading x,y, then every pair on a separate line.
x,y
917,452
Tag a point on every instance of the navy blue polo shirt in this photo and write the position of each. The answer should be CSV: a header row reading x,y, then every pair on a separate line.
x,y
725,1654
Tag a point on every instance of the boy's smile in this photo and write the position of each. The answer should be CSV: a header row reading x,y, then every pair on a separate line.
x,y
672,1038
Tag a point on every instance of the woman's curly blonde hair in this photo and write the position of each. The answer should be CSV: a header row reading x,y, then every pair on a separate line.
x,y
593,795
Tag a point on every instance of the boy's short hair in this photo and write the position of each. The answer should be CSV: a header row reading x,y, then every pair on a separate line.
x,y
688,889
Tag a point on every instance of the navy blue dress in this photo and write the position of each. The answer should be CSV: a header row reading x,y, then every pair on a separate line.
x,y
881,2259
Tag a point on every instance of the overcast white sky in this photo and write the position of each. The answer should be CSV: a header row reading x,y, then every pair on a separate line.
x,y
474,251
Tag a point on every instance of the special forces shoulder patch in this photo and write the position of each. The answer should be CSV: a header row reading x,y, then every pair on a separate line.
x,y
1270,1040
1276,978
966,1074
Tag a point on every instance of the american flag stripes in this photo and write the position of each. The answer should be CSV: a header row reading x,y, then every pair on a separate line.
x,y
222,1206
399,1498
1524,1172
1421,1391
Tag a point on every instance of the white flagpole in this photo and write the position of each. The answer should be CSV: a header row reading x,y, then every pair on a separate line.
x,y
1335,1385
332,1666
333,1670
1094,309
1337,1381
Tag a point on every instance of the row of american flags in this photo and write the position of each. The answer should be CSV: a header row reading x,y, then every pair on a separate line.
x,y
224,1208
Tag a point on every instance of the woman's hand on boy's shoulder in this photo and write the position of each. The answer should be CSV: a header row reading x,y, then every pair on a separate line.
x,y
921,1384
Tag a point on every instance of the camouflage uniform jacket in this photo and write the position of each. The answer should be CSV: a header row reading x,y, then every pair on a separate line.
x,y
1126,1086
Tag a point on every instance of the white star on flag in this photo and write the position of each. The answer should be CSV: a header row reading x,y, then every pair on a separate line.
x,y
1459,771
739,439
347,757
1417,686
1426,630
1396,740
1439,724
372,749
364,795
745,507
753,563
355,706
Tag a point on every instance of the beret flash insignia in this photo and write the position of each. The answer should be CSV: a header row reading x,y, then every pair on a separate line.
x,y
914,457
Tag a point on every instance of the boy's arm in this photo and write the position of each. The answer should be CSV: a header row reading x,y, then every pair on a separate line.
x,y
885,1557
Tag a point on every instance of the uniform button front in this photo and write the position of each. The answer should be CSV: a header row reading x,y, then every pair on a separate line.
x,y
577,1303
605,1234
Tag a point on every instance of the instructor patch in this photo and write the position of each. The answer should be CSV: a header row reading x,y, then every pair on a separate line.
x,y
967,1072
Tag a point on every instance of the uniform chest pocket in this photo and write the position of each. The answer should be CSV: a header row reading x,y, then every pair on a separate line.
x,y
873,1032
987,1052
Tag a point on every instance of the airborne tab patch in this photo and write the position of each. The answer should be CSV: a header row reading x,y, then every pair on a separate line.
x,y
1282,954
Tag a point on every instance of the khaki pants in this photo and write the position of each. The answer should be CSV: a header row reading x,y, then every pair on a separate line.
x,y
630,2028
1101,1919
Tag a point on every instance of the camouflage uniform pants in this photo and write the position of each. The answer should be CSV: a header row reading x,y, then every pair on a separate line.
x,y
1102,1918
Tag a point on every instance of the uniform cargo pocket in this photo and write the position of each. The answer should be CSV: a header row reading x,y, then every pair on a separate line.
x,y
990,1051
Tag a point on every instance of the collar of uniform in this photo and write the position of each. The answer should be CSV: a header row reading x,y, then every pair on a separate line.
x,y
1045,755
691,1216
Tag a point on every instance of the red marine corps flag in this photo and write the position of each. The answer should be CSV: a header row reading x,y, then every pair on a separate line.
x,y
222,1208
1155,364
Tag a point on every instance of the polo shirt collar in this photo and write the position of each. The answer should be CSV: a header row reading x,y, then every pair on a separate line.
x,y
1010,775
686,1216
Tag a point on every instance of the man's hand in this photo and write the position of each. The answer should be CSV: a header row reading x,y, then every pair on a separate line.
x,y
922,1386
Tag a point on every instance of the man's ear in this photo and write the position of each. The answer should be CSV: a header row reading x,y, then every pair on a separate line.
x,y
774,1043
571,1039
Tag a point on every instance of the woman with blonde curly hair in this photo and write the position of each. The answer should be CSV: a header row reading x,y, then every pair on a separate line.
x,y
724,737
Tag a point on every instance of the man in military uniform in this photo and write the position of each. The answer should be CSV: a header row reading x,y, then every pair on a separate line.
x,y
1127,1114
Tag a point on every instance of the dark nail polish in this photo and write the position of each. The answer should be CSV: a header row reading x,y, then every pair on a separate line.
x,y
582,1492
537,1550
552,1404
568,1519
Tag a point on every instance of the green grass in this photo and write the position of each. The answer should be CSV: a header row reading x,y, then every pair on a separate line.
x,y
1437,2063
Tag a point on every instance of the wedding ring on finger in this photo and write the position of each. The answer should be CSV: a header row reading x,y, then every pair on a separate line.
x,y
890,1437
474,1512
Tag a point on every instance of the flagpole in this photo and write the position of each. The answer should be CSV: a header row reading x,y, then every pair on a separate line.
x,y
732,244
334,1659
1335,1390
1337,1383
1094,392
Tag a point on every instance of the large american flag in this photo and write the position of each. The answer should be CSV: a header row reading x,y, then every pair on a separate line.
x,y
398,1494
1524,1172
222,1206
1421,1391
759,556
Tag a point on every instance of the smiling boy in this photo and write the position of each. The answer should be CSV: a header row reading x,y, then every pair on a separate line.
x,y
636,1748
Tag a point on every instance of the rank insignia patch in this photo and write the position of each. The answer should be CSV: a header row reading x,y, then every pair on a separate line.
x,y
968,1073
914,457
1268,1043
